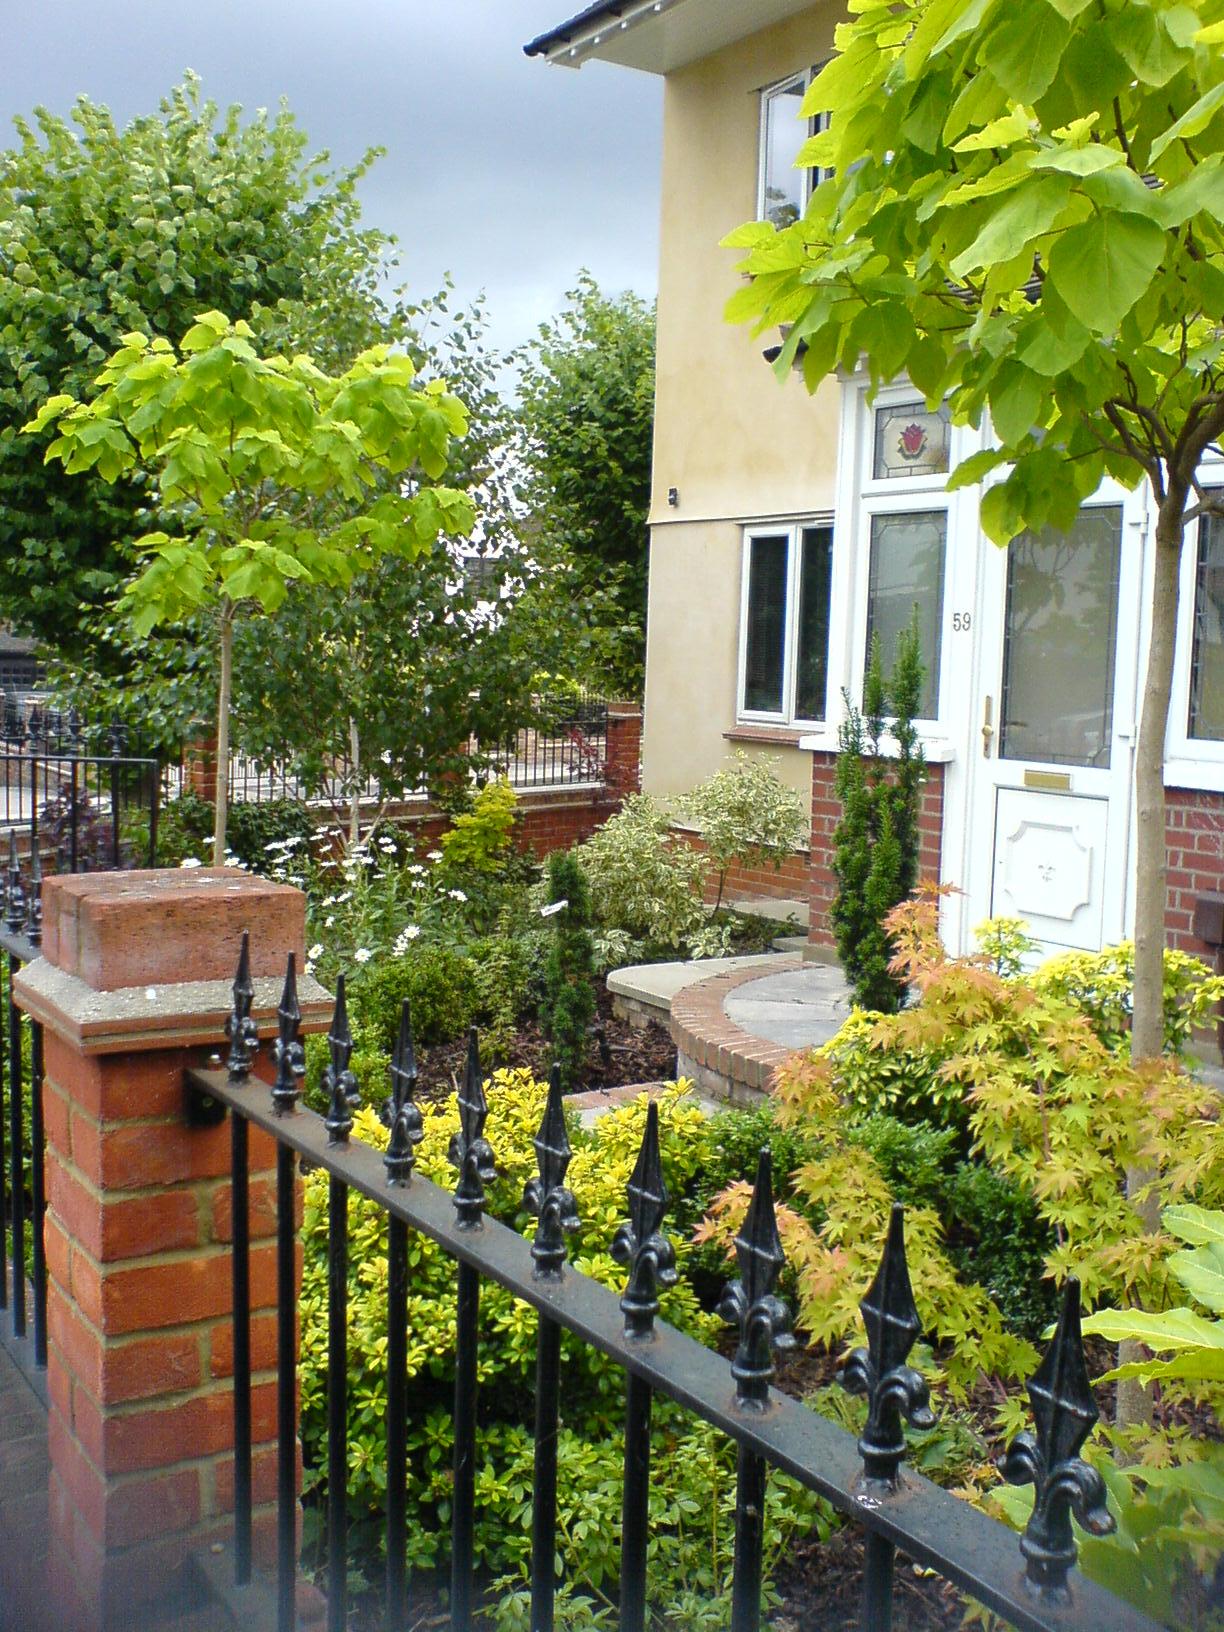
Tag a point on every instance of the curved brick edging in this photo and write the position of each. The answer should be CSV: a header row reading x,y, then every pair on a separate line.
x,y
721,1057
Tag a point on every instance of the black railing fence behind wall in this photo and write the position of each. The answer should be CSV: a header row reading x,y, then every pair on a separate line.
x,y
1030,1580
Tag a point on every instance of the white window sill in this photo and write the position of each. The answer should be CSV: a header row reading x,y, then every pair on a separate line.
x,y
1197,775
936,750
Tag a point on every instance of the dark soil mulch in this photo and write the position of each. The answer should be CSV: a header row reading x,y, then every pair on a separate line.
x,y
618,1054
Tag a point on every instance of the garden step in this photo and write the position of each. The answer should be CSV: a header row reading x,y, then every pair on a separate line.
x,y
764,906
644,991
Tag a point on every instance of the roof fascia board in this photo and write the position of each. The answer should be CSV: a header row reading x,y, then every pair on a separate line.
x,y
572,49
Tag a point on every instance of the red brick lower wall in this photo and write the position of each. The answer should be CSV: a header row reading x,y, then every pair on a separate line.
x,y
1194,840
547,819
1194,829
789,882
826,813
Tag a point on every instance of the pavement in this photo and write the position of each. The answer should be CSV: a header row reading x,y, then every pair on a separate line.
x,y
796,1008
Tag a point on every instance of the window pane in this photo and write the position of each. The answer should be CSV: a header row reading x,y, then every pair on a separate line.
x,y
907,570
812,657
1207,672
910,441
1059,641
766,632
785,133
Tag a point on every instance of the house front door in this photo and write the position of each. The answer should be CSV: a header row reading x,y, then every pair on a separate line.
x,y
1051,753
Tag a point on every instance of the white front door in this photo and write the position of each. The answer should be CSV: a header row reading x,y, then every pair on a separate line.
x,y
1051,754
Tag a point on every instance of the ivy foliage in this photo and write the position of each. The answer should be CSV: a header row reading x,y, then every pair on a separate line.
x,y
692,1493
875,844
106,231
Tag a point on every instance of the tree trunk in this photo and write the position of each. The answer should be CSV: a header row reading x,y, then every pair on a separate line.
x,y
221,802
354,785
1147,1024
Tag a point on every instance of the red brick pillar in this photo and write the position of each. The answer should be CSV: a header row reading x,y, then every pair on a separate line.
x,y
623,766
200,768
134,985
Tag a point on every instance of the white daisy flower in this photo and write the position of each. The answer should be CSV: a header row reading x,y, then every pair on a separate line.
x,y
191,861
456,895
362,954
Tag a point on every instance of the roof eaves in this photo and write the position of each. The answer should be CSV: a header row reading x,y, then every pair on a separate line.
x,y
579,24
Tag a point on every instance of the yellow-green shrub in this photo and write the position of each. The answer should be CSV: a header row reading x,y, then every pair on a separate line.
x,y
687,1456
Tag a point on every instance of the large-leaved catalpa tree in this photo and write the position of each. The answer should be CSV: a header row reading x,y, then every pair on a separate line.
x,y
270,472
1024,218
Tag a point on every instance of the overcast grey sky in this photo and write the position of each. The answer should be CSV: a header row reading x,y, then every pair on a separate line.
x,y
506,172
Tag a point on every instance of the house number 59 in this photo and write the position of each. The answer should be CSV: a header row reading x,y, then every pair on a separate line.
x,y
962,620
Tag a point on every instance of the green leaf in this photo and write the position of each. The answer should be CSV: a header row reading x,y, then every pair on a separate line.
x,y
1078,161
1024,50
1201,1272
1193,122
1197,1225
1202,192
1015,401
1103,266
1016,222
1143,42
1173,1329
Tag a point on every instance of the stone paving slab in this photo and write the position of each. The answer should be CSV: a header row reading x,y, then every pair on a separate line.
x,y
798,1008
760,906
655,984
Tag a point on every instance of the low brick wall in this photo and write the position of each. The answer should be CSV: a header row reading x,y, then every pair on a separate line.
x,y
789,882
722,1058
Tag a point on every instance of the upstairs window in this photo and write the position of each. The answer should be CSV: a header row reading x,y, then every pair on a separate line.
x,y
785,648
784,191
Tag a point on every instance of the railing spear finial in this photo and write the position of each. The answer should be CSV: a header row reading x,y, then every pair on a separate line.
x,y
1064,1414
893,1389
33,923
287,1050
407,1128
14,895
546,1196
241,1030
470,1151
641,1244
748,1301
339,1083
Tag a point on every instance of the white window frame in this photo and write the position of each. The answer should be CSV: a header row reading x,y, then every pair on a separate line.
x,y
816,123
793,531
1190,762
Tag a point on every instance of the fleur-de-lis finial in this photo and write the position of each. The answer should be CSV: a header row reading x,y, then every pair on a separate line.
x,y
241,1030
893,1389
14,898
287,1050
546,1196
470,1151
407,1127
749,1302
33,924
641,1243
1064,1413
339,1083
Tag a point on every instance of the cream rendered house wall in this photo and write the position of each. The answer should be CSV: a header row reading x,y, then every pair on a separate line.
x,y
736,444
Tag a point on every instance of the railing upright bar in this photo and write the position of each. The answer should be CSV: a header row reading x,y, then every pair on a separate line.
x,y
286,1394
72,818
397,1412
337,1406
38,1142
17,1156
463,1524
650,1257
241,1281
878,1560
764,1325
5,1081
154,804
544,1487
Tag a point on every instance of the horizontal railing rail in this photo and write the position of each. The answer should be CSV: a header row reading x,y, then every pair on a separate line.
x,y
1030,1581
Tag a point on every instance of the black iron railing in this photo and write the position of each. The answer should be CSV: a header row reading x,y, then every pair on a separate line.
x,y
23,1203
1031,1581
69,787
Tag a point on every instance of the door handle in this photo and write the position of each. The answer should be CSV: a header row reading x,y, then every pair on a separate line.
x,y
987,727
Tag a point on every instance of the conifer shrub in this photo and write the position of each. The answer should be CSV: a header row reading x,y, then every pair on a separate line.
x,y
569,972
875,844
